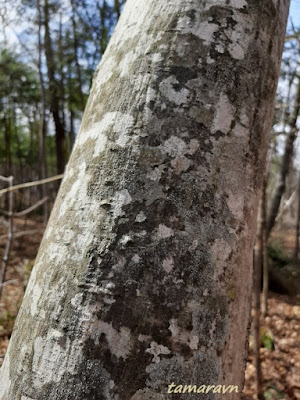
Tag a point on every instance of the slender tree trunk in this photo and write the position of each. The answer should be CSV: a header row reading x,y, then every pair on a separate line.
x,y
7,137
54,94
117,7
144,274
103,29
77,66
71,106
285,164
258,260
61,61
42,127
264,248
10,233
72,131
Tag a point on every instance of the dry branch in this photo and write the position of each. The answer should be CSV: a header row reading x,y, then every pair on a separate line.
x,y
31,208
30,184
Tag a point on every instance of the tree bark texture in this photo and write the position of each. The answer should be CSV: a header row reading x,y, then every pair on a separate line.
x,y
144,274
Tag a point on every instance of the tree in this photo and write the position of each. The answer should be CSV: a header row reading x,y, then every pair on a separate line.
x,y
286,163
19,101
54,91
144,274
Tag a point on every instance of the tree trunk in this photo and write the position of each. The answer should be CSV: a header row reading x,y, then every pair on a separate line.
x,y
117,8
42,128
264,248
7,139
61,62
285,164
103,29
258,253
144,274
70,107
75,49
54,95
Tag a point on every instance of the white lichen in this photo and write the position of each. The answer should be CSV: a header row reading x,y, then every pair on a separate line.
x,y
136,258
141,217
224,115
180,164
52,350
164,232
204,30
221,251
168,264
35,296
175,146
175,96
121,198
156,350
238,3
116,122
119,343
183,336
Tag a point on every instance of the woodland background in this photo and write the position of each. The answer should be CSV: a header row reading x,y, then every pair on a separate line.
x,y
49,51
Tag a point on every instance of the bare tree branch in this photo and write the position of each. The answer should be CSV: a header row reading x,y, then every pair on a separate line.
x,y
30,184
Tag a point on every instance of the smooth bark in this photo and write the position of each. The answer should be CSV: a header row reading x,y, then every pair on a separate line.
x,y
144,274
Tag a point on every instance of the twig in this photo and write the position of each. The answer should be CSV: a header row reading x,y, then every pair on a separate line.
x,y
4,178
286,205
31,208
27,210
30,184
9,233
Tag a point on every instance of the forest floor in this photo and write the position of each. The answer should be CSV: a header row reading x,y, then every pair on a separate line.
x,y
280,329
280,359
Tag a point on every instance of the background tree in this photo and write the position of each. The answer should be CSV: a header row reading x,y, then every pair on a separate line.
x,y
62,54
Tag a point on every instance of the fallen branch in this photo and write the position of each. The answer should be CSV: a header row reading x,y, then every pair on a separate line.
x,y
30,184
31,208
5,178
